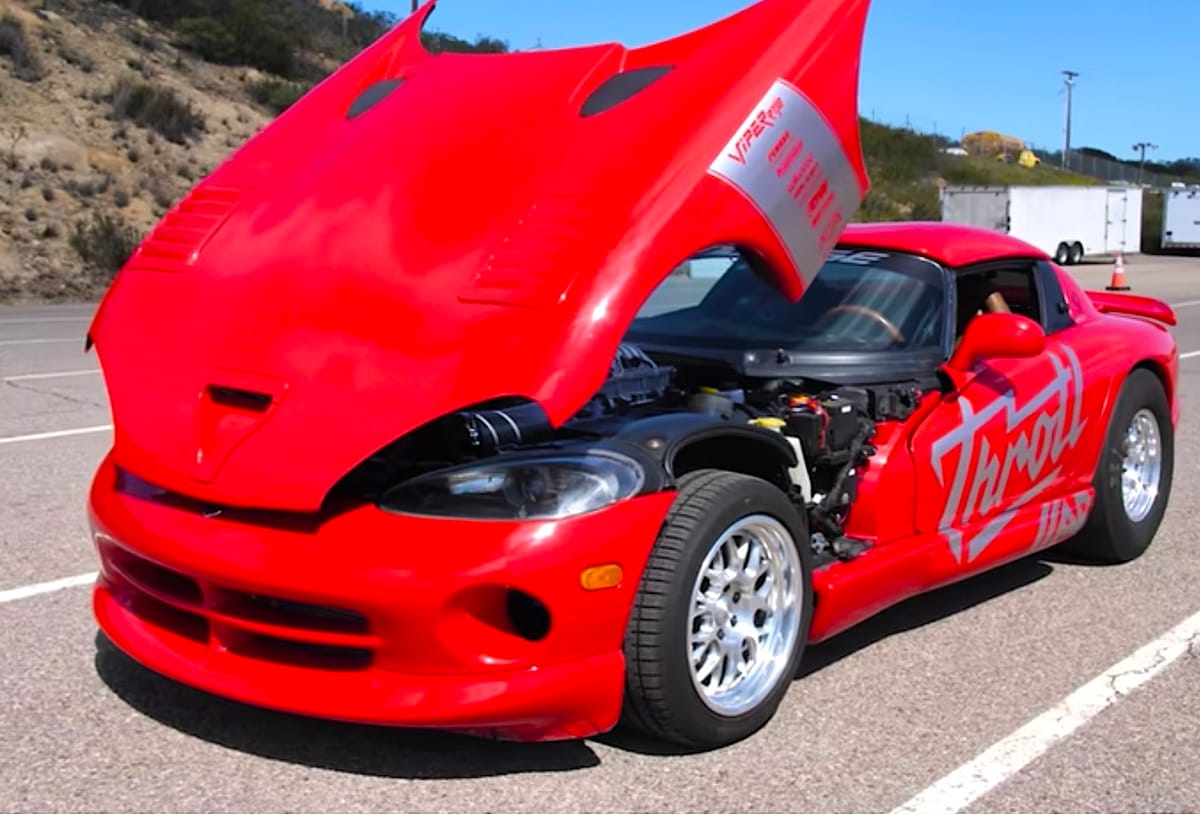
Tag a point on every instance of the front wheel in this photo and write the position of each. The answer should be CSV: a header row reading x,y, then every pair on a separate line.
x,y
721,616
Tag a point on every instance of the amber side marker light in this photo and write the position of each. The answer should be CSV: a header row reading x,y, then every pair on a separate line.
x,y
596,578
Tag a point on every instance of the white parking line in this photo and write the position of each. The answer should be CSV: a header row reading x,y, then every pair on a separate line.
x,y
43,341
1189,355
56,434
55,375
1010,755
1185,304
34,321
8,595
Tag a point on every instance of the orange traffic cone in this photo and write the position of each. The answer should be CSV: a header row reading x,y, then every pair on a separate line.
x,y
1118,274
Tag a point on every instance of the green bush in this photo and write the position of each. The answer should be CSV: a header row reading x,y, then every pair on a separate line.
x,y
104,244
15,45
277,95
156,107
208,38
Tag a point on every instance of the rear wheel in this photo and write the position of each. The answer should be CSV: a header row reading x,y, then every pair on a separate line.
x,y
722,612
1076,253
1133,476
1062,255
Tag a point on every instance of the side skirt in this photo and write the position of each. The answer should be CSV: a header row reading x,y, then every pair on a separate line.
x,y
849,592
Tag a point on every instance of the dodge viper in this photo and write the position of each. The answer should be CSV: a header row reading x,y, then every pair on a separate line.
x,y
524,395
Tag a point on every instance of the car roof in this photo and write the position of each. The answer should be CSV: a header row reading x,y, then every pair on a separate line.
x,y
947,243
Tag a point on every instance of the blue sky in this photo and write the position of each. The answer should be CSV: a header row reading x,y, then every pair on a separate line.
x,y
959,65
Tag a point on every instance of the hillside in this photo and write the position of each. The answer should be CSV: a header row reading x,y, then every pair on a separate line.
x,y
908,169
110,111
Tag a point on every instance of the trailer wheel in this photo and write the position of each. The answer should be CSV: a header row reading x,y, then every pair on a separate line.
x,y
1076,253
1062,255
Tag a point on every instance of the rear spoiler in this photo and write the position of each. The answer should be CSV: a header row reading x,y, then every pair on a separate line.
x,y
1133,305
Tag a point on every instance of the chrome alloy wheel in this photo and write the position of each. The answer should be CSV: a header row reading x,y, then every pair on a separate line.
x,y
745,617
1141,471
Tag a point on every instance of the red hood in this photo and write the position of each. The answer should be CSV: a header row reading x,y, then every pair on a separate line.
x,y
487,228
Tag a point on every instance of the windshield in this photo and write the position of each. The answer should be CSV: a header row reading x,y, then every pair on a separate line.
x,y
860,300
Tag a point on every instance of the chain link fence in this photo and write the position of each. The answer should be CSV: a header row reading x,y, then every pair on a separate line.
x,y
1106,170
1113,172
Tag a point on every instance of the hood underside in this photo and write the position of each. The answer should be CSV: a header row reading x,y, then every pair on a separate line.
x,y
424,233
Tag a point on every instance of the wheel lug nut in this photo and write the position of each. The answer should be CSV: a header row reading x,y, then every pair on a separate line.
x,y
737,596
721,635
733,620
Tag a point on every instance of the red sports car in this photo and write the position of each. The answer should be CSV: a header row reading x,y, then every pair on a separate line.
x,y
525,394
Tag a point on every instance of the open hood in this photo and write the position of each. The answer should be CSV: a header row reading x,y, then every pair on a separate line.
x,y
424,233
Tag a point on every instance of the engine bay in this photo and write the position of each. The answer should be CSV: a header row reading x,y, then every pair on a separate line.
x,y
828,427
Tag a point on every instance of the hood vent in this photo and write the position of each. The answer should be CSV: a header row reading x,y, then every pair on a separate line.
x,y
176,242
621,87
532,265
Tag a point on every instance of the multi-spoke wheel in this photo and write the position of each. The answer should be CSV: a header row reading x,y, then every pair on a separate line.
x,y
1133,475
1141,471
745,614
722,612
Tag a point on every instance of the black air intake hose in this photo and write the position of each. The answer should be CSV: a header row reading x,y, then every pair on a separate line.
x,y
493,429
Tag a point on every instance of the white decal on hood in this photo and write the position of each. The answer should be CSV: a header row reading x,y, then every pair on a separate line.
x,y
978,483
791,164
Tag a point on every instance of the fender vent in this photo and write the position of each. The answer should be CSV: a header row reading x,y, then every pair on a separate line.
x,y
175,243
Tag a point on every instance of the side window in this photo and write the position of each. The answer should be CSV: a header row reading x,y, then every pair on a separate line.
x,y
1058,315
1011,288
1018,287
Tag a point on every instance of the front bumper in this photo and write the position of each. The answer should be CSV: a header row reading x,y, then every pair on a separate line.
x,y
372,617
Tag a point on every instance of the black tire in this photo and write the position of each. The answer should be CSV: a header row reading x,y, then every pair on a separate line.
x,y
1076,253
1062,255
660,697
1110,535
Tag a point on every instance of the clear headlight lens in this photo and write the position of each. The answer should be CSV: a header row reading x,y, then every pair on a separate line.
x,y
520,488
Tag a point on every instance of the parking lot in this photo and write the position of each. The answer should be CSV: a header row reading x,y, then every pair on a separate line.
x,y
879,715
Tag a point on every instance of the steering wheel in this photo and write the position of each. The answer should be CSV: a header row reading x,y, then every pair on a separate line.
x,y
854,308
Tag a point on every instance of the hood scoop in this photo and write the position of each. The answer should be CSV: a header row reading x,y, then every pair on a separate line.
x,y
231,407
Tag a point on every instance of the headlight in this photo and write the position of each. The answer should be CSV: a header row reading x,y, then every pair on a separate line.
x,y
520,488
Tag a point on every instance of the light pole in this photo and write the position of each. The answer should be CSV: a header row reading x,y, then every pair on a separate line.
x,y
1069,78
1142,147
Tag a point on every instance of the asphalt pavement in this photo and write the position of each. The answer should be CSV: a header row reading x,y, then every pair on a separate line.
x,y
877,715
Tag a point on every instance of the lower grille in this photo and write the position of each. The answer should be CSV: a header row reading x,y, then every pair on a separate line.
x,y
256,626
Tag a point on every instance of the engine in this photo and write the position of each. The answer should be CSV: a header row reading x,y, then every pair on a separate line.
x,y
830,427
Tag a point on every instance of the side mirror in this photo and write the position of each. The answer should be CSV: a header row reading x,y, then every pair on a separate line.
x,y
991,336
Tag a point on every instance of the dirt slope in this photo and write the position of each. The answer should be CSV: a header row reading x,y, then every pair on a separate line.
x,y
88,127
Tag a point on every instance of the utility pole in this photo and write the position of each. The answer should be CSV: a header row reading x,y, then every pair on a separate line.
x,y
415,3
1069,78
1142,147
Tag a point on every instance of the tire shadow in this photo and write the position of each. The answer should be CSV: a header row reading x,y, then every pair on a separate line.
x,y
387,752
906,616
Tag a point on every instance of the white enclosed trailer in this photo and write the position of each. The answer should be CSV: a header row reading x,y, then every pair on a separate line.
x,y
1181,219
1068,223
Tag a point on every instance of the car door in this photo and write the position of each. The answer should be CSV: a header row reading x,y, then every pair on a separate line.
x,y
994,456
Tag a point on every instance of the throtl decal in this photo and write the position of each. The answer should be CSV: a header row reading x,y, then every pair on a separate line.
x,y
1049,424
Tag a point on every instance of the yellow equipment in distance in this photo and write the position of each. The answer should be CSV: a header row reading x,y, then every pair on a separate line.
x,y
1002,147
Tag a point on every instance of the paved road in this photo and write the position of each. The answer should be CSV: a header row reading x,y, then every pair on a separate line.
x,y
878,714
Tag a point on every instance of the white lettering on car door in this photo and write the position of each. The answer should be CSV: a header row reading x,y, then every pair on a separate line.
x,y
1036,437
